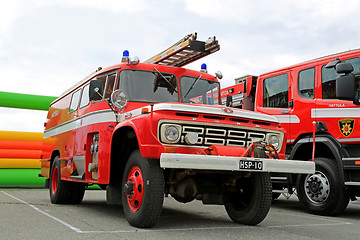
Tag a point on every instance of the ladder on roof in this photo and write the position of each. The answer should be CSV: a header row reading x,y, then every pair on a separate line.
x,y
185,51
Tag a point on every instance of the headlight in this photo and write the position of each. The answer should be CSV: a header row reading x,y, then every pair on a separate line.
x,y
170,133
274,140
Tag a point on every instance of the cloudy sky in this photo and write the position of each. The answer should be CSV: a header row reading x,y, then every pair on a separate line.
x,y
48,45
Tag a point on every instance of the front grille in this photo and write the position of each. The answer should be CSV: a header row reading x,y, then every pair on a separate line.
x,y
220,135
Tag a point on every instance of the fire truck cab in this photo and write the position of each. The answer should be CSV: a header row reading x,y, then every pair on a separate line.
x,y
142,130
320,96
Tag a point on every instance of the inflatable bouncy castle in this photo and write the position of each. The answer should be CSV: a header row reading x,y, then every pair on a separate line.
x,y
20,152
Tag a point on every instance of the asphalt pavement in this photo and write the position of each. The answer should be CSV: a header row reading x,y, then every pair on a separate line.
x,y
28,214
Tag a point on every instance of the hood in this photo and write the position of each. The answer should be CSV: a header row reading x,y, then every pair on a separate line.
x,y
214,109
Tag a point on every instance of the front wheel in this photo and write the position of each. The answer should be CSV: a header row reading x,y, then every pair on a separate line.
x,y
142,190
249,201
322,192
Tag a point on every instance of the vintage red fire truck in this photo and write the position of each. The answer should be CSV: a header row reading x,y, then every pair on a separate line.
x,y
320,96
145,130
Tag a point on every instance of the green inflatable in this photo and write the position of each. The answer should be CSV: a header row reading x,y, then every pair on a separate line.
x,y
25,101
21,177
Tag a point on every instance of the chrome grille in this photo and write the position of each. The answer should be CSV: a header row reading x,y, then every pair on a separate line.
x,y
226,136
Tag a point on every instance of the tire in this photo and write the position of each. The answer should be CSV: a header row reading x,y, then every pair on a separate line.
x,y
249,202
77,191
142,190
59,189
322,193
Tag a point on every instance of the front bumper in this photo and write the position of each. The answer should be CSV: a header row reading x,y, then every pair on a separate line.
x,y
223,163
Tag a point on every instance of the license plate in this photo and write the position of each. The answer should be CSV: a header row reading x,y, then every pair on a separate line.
x,y
251,165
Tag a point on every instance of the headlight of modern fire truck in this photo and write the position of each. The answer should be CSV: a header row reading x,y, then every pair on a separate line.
x,y
170,133
273,140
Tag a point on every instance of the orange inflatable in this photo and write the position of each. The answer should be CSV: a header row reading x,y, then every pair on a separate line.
x,y
25,145
19,163
22,136
19,153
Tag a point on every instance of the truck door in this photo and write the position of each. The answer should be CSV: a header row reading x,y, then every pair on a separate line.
x,y
80,135
303,94
274,97
92,127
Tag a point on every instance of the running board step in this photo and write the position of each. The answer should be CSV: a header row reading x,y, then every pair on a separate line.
x,y
75,175
352,183
78,177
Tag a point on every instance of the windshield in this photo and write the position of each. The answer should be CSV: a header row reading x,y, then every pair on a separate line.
x,y
198,90
146,86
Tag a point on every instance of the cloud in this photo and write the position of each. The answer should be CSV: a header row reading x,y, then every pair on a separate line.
x,y
115,6
46,46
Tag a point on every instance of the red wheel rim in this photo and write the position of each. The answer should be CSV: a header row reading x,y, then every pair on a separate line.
x,y
54,179
136,197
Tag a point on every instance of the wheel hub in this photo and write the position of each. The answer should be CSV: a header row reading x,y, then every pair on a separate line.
x,y
317,187
133,188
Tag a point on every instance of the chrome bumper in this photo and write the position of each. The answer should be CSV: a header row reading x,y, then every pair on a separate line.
x,y
209,162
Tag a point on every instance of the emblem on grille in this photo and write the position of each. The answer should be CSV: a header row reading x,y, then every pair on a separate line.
x,y
227,110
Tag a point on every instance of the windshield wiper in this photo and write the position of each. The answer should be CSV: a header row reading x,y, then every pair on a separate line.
x,y
168,82
192,86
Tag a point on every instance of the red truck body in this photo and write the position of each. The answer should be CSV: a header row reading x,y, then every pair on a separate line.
x,y
300,96
142,130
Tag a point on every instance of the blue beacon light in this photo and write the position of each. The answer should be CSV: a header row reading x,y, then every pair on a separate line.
x,y
125,57
203,68
126,53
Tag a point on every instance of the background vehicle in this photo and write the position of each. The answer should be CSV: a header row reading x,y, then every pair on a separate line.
x,y
142,130
321,94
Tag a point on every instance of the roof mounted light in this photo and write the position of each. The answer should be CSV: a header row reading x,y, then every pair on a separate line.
x,y
203,68
133,61
218,75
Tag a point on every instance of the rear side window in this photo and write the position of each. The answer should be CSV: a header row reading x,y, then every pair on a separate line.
x,y
275,92
74,101
306,83
85,97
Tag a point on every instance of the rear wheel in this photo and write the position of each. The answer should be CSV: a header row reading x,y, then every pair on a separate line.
x,y
59,189
322,192
142,190
77,191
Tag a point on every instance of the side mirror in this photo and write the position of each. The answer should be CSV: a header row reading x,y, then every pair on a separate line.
x,y
345,84
344,68
96,89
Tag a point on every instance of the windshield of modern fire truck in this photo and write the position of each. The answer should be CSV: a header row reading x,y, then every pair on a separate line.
x,y
199,90
147,86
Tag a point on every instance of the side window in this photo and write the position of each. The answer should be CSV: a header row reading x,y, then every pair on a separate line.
x,y
85,97
306,83
275,92
74,101
103,79
109,85
328,78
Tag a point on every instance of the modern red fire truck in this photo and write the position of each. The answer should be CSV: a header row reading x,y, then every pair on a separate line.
x,y
145,130
320,96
